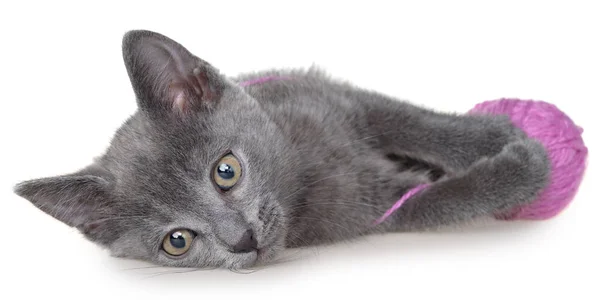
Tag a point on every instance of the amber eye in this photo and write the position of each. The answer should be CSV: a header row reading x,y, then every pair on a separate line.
x,y
227,172
178,242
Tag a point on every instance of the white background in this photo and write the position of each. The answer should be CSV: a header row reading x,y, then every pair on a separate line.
x,y
64,91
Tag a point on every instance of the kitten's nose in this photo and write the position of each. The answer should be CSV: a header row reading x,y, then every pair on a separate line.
x,y
247,243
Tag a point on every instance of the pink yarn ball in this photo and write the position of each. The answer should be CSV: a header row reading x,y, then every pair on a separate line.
x,y
563,142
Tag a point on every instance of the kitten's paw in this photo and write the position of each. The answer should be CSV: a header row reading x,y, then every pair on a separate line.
x,y
530,155
523,167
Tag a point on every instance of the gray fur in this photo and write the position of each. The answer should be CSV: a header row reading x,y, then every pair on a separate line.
x,y
322,160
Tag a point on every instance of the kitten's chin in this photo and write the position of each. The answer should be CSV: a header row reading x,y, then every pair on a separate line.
x,y
247,261
261,257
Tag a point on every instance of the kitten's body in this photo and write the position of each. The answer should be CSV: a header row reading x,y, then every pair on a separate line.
x,y
359,152
322,161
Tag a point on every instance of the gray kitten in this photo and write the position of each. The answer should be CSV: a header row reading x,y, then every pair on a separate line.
x,y
210,173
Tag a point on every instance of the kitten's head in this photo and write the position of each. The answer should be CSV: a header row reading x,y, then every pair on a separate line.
x,y
194,178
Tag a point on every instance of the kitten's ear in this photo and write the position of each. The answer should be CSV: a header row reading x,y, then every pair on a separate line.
x,y
166,77
78,200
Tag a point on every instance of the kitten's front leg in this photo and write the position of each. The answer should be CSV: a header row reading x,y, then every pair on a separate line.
x,y
492,185
452,142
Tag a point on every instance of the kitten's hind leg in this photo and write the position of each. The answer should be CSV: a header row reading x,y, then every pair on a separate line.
x,y
492,185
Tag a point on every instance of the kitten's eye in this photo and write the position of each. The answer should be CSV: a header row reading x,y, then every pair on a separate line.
x,y
227,172
178,242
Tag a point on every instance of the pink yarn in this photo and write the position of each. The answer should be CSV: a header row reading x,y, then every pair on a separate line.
x,y
399,203
563,142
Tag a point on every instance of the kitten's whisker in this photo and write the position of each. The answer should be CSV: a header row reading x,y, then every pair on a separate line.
x,y
298,238
292,257
323,220
242,271
274,262
317,181
173,272
369,137
142,268
340,203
